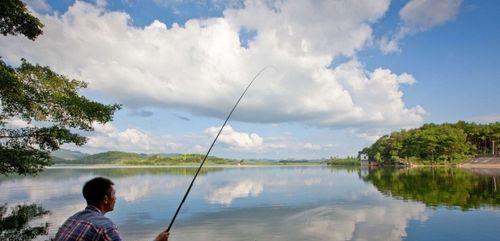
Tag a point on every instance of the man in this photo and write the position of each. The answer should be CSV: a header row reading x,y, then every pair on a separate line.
x,y
91,224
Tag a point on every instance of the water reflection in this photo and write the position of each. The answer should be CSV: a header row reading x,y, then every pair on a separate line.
x,y
59,190
378,221
271,203
226,194
451,187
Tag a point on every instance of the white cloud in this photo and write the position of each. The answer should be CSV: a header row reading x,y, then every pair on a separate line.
x,y
199,149
419,16
238,140
226,195
312,146
101,3
16,123
137,66
107,137
40,6
368,136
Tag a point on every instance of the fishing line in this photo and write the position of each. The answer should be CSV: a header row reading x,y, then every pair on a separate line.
x,y
209,149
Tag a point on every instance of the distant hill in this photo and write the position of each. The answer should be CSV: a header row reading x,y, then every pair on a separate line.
x,y
67,154
110,157
127,158
174,159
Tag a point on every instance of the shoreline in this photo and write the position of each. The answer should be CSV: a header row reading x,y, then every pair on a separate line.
x,y
174,166
480,166
104,166
463,166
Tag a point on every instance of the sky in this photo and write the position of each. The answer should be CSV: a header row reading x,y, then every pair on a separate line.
x,y
341,73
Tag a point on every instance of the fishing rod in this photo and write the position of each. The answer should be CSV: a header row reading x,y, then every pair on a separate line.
x,y
209,149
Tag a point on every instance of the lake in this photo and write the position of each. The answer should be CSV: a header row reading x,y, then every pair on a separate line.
x,y
279,203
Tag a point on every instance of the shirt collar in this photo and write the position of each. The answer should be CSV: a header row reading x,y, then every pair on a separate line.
x,y
93,208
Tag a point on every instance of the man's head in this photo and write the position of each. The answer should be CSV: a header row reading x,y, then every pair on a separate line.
x,y
99,192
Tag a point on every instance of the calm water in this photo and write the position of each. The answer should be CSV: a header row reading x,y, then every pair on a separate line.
x,y
280,203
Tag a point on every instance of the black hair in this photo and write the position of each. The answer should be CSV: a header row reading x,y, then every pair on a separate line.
x,y
95,189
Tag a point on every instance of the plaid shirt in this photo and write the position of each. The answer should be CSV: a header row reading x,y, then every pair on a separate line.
x,y
88,225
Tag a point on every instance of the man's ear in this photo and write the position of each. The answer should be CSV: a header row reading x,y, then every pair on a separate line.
x,y
106,199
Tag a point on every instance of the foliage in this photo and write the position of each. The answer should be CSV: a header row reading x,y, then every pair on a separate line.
x,y
16,19
14,226
34,93
126,158
347,161
451,187
435,144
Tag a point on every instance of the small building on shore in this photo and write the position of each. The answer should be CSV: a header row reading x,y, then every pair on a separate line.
x,y
364,159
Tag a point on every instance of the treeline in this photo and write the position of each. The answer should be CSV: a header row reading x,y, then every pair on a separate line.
x,y
435,144
346,161
126,158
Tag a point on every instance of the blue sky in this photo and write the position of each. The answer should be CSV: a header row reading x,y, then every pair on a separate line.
x,y
345,72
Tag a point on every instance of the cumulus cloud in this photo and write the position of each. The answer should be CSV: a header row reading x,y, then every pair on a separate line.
x,y
239,140
419,16
108,137
202,66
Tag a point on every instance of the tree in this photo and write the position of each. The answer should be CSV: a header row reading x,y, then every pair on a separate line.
x,y
51,106
435,143
37,95
16,19
15,225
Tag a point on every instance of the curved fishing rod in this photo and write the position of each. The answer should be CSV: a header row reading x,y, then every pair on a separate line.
x,y
209,149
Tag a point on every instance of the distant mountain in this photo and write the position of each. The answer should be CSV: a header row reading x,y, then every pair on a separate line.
x,y
127,158
168,154
63,154
172,159
110,157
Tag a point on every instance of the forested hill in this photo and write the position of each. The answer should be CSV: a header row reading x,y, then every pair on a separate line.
x,y
68,155
127,158
436,143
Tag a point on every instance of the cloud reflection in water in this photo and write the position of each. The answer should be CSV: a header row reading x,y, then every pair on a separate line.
x,y
330,222
235,204
226,194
